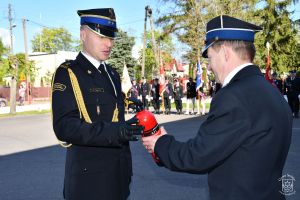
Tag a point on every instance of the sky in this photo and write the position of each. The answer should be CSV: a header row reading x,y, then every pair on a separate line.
x,y
63,13
54,14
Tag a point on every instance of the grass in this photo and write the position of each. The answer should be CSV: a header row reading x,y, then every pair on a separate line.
x,y
33,112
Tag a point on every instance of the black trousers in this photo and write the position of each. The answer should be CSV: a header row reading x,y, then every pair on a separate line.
x,y
178,104
294,103
167,103
156,105
145,102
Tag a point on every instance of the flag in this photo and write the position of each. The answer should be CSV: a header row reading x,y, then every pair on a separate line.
x,y
268,69
161,81
199,82
126,82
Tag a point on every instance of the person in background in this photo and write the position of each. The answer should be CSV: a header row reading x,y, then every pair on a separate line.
x,y
277,82
145,93
88,115
190,96
134,93
178,95
22,92
155,96
168,95
244,141
292,89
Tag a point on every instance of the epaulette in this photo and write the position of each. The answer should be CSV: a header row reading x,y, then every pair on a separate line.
x,y
66,64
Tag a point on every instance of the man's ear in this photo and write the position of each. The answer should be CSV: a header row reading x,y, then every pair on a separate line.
x,y
82,34
227,51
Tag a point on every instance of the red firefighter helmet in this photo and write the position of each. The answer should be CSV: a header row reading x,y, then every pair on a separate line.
x,y
147,119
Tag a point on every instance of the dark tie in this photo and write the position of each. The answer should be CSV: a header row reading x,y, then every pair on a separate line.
x,y
102,70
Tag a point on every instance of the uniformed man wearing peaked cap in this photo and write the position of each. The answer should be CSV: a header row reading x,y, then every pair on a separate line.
x,y
244,142
88,115
228,28
292,90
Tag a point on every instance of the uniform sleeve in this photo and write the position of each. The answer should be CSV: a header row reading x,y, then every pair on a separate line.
x,y
67,124
225,129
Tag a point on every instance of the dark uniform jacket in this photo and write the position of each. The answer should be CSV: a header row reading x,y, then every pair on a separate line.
x,y
98,166
242,145
191,90
168,92
145,89
178,92
292,87
134,91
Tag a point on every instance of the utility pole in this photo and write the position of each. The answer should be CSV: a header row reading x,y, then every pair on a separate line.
x,y
10,29
153,39
14,65
27,67
144,43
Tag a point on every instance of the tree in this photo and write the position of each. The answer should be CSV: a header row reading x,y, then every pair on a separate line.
x,y
279,31
52,40
121,53
3,62
187,20
166,48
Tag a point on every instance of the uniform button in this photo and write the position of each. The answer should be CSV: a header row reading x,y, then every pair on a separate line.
x,y
85,170
109,142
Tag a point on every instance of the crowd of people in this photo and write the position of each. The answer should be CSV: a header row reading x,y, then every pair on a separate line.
x,y
176,93
289,86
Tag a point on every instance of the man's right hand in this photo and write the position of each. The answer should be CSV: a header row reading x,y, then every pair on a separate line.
x,y
129,131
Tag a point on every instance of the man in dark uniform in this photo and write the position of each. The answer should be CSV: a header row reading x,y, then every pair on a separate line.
x,y
168,95
155,96
178,94
277,82
134,93
190,96
292,89
88,115
145,93
244,142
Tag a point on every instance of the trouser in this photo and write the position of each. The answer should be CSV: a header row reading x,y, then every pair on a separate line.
x,y
294,103
156,105
145,102
178,104
167,104
190,100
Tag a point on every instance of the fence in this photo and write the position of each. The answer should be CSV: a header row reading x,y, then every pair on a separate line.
x,y
36,93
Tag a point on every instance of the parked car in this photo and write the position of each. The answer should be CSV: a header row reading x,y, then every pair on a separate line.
x,y
3,102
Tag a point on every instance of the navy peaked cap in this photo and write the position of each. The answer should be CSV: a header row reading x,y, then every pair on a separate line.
x,y
225,27
102,21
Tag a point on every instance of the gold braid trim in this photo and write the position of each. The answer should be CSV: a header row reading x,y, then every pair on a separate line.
x,y
80,102
79,97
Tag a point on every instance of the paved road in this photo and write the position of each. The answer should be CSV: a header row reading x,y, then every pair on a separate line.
x,y
32,164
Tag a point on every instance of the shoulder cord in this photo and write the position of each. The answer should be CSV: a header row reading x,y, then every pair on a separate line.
x,y
79,100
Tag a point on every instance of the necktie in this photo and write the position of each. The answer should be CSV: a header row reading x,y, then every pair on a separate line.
x,y
102,70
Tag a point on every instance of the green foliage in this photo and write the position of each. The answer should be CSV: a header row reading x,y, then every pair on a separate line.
x,y
16,66
3,50
279,31
52,40
187,19
121,53
166,48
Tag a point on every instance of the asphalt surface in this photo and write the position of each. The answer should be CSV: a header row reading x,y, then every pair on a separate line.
x,y
32,164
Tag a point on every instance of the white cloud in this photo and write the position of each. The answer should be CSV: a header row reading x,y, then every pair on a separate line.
x,y
5,37
135,50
